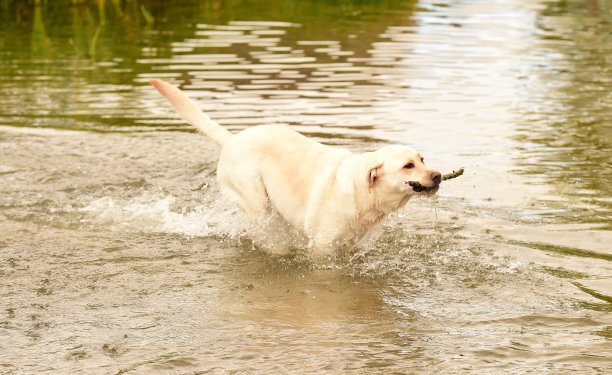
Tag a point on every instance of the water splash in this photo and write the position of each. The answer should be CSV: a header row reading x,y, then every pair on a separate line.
x,y
161,214
157,214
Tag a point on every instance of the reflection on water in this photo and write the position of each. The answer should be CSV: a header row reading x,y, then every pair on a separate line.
x,y
567,137
117,255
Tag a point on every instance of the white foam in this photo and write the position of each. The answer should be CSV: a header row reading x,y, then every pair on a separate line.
x,y
160,214
155,214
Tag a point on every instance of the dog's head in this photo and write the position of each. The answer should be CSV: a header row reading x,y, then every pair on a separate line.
x,y
393,168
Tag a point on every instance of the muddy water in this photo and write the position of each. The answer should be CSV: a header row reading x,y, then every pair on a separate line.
x,y
117,254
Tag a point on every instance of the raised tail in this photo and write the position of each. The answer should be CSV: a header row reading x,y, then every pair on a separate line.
x,y
191,113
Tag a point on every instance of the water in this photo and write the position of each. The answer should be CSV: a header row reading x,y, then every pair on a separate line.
x,y
117,254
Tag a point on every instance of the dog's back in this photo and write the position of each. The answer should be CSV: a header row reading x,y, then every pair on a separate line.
x,y
286,163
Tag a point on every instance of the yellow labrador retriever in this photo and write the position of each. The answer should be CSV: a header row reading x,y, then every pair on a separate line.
x,y
330,195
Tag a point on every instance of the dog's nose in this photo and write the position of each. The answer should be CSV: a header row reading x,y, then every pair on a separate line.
x,y
436,177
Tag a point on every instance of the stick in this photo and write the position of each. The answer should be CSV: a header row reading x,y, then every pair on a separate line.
x,y
454,174
448,176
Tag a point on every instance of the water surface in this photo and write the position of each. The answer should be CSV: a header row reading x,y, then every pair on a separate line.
x,y
117,254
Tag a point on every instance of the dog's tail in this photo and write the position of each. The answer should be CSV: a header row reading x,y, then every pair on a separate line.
x,y
191,113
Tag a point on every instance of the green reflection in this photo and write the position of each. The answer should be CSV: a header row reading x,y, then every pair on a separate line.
x,y
77,50
41,47
120,28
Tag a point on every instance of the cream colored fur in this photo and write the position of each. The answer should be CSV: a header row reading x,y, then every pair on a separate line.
x,y
331,195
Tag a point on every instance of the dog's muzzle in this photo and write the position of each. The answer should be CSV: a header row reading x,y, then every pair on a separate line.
x,y
417,187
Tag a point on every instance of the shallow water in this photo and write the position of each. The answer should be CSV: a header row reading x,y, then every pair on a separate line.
x,y
117,254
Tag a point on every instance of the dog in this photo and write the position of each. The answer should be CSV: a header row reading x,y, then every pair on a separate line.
x,y
331,195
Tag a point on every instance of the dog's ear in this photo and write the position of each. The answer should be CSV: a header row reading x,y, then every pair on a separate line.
x,y
373,174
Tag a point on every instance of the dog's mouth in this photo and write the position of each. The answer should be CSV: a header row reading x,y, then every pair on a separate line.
x,y
418,188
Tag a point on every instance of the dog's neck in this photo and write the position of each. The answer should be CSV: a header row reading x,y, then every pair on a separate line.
x,y
378,209
370,218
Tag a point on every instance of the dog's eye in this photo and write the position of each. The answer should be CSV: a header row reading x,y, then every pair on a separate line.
x,y
422,160
409,165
